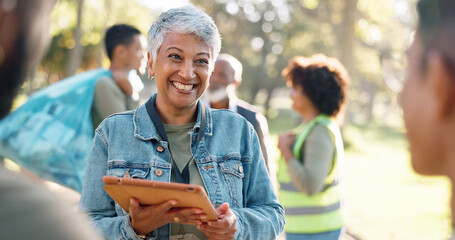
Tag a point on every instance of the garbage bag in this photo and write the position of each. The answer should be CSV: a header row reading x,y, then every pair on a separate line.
x,y
51,134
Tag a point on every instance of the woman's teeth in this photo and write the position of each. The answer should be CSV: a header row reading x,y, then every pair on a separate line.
x,y
183,87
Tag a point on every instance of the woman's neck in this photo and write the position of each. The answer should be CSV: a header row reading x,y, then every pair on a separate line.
x,y
309,114
175,116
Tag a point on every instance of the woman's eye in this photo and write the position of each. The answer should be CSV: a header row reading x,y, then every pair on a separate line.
x,y
202,61
174,56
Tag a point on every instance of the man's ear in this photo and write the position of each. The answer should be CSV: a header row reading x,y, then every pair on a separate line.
x,y
119,51
150,65
442,83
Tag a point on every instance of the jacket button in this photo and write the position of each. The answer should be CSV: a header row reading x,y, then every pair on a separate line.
x,y
160,149
159,172
240,169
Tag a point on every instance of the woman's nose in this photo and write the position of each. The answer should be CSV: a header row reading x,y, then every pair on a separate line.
x,y
187,70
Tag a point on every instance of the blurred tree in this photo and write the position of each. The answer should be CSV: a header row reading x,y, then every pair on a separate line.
x,y
368,37
75,54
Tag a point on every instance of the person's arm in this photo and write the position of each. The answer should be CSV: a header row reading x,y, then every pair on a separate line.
x,y
261,209
142,219
310,175
95,201
264,141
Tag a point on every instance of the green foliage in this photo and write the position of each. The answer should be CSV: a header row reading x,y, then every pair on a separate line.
x,y
264,35
97,16
368,36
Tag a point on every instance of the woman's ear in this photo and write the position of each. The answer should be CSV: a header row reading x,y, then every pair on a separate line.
x,y
442,83
150,65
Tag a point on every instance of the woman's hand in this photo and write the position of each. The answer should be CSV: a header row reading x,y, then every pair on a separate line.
x,y
145,219
222,229
285,142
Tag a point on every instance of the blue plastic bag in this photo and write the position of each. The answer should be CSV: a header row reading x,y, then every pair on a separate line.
x,y
51,134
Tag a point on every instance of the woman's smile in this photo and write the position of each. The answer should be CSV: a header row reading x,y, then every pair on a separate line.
x,y
184,88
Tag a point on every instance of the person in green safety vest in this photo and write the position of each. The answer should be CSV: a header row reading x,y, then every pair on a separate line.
x,y
311,155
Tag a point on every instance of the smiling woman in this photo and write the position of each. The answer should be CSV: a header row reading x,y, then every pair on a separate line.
x,y
181,73
175,138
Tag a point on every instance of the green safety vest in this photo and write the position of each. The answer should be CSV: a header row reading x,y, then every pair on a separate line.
x,y
321,211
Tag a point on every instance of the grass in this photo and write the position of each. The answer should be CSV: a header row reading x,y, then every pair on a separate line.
x,y
383,197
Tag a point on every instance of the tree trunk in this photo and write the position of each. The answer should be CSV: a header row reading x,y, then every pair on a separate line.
x,y
346,35
346,40
76,54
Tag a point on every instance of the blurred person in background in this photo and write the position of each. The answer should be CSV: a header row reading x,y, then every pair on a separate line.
x,y
308,171
125,47
430,86
175,138
27,209
225,78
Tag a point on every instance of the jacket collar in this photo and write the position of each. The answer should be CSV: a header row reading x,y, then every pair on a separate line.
x,y
145,130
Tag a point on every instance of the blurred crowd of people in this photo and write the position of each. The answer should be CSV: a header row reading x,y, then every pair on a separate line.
x,y
195,130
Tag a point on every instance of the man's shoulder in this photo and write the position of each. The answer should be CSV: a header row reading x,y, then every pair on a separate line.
x,y
106,85
225,115
247,107
105,81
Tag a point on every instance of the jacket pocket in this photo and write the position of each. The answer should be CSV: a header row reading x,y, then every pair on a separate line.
x,y
232,171
122,168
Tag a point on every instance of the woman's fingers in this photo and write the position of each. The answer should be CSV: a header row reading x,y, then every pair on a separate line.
x,y
192,216
224,228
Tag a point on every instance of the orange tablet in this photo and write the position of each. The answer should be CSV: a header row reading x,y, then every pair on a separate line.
x,y
149,192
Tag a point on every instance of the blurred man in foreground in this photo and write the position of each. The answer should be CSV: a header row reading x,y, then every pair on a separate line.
x,y
428,96
28,210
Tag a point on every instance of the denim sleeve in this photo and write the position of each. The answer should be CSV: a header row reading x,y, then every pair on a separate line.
x,y
95,201
262,216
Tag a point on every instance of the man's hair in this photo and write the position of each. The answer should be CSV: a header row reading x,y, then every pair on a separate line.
x,y
184,20
235,64
324,80
436,27
119,34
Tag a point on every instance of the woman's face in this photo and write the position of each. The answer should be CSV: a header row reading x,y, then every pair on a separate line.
x,y
420,115
300,101
181,71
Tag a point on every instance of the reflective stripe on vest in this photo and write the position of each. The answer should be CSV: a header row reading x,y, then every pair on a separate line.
x,y
312,210
319,212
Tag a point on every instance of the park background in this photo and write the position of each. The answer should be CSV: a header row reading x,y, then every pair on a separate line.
x,y
384,198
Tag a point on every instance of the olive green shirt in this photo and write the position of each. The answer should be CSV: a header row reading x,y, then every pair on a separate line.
x,y
109,99
180,145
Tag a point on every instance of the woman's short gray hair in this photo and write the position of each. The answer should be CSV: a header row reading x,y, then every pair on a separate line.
x,y
184,20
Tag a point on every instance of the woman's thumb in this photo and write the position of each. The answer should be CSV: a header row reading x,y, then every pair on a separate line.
x,y
224,208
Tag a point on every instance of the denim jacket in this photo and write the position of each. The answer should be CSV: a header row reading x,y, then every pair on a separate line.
x,y
229,160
